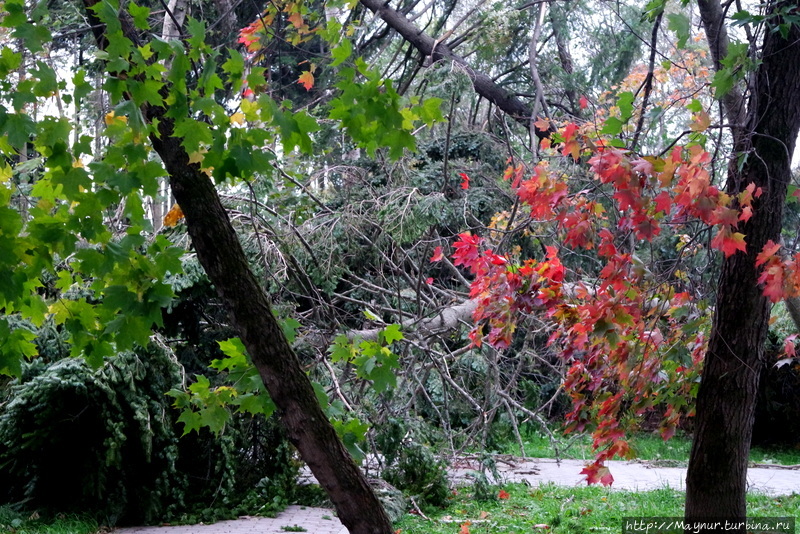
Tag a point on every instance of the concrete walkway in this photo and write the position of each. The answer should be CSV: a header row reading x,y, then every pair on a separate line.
x,y
314,520
635,476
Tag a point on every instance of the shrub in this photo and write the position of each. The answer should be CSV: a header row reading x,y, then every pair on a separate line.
x,y
73,438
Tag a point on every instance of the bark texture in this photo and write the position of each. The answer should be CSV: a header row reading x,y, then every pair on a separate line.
x,y
222,257
716,480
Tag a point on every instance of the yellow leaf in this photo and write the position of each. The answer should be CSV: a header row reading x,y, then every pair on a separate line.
x,y
5,173
250,110
196,157
237,118
78,163
173,216
112,118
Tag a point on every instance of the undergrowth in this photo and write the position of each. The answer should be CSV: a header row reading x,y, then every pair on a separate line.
x,y
13,522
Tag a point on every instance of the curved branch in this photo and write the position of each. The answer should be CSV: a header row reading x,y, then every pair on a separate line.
x,y
437,50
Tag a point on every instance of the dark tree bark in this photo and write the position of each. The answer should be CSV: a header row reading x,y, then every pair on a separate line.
x,y
766,133
225,263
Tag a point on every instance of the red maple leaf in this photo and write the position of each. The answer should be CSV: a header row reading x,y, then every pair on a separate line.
x,y
464,180
788,346
467,253
597,472
747,212
437,255
583,102
728,241
773,279
767,253
503,494
663,202
569,131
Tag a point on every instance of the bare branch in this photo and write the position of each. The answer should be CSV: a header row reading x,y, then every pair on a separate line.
x,y
437,51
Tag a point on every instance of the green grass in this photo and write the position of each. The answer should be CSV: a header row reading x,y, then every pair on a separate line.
x,y
782,456
645,446
12,522
567,510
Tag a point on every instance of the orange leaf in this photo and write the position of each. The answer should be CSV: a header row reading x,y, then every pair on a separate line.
x,y
173,216
542,125
701,123
769,250
503,494
438,255
465,528
573,149
306,80
297,20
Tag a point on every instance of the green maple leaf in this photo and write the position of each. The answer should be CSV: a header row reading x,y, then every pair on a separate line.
x,y
191,421
391,333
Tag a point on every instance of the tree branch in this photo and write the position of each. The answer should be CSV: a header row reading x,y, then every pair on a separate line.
x,y
436,50
446,319
713,18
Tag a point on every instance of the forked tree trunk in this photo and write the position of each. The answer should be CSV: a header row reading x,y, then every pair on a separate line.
x,y
716,479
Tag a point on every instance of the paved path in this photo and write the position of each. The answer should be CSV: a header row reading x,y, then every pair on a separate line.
x,y
627,476
637,476
313,520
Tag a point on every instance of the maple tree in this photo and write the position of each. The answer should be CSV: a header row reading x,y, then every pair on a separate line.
x,y
617,329
609,329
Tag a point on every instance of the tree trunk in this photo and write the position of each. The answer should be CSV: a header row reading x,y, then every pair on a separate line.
x,y
223,259
716,479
